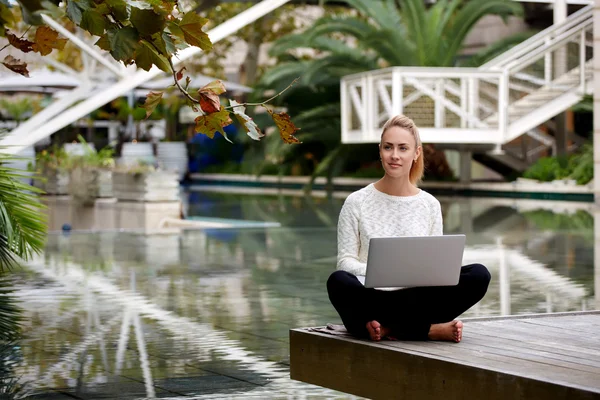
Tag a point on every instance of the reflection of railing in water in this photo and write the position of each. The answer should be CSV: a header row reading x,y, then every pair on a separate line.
x,y
202,336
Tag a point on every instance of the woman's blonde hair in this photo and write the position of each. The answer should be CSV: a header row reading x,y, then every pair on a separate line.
x,y
402,121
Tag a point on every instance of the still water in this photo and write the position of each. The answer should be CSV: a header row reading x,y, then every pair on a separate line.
x,y
206,313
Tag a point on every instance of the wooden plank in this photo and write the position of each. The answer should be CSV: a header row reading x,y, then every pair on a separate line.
x,y
549,357
376,371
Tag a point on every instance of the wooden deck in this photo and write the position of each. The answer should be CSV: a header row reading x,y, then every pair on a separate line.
x,y
552,356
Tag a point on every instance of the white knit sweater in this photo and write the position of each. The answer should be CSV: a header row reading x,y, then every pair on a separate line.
x,y
369,213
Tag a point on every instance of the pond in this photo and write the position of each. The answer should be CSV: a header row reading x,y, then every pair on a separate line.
x,y
207,313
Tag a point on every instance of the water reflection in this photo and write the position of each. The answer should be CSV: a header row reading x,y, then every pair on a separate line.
x,y
207,313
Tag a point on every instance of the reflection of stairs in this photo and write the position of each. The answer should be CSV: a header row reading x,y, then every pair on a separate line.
x,y
496,107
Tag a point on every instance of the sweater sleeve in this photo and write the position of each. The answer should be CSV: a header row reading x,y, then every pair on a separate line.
x,y
349,241
437,227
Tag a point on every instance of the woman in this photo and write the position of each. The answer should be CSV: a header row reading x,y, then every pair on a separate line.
x,y
395,206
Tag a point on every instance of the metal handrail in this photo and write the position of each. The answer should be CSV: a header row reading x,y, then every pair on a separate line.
x,y
540,39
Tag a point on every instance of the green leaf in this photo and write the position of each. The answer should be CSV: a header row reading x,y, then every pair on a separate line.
x,y
191,25
103,43
124,43
119,9
93,22
146,56
76,8
169,44
153,99
103,9
147,22
249,125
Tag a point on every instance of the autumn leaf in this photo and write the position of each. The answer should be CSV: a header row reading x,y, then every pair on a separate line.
x,y
214,122
191,26
249,125
46,40
180,73
286,127
209,96
15,65
146,56
22,44
152,100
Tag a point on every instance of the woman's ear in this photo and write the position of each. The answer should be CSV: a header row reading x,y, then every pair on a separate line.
x,y
418,153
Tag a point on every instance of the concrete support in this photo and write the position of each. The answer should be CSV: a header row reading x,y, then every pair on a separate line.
x,y
465,165
597,103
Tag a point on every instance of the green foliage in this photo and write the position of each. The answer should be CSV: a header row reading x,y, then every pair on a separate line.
x,y
22,222
380,33
578,166
91,158
10,331
55,158
547,220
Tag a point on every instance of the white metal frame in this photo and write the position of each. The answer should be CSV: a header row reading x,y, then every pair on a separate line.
x,y
130,78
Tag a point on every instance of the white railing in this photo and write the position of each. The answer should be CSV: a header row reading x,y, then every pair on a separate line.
x,y
492,104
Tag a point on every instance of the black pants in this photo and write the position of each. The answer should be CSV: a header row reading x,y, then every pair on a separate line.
x,y
410,312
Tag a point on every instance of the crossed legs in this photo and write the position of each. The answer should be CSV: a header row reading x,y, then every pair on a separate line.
x,y
410,314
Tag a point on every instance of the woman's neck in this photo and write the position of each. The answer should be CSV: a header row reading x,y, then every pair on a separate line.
x,y
396,186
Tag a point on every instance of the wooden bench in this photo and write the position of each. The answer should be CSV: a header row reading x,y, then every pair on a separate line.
x,y
551,356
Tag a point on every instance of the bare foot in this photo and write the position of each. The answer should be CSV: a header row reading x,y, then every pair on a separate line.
x,y
451,331
376,331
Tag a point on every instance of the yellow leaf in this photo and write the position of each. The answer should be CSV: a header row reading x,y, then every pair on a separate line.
x,y
46,39
214,122
286,127
152,100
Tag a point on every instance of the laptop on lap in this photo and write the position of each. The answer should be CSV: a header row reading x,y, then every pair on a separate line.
x,y
414,261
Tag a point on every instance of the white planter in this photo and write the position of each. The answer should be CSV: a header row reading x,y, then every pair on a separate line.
x,y
147,186
172,156
88,184
53,181
134,153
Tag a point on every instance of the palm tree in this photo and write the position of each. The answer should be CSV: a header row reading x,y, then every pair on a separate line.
x,y
383,33
22,233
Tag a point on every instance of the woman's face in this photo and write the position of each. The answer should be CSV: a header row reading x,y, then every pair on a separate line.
x,y
398,151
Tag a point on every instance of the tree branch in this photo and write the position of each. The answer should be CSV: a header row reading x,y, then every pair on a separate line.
x,y
266,101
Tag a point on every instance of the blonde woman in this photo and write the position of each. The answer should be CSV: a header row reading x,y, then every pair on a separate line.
x,y
395,206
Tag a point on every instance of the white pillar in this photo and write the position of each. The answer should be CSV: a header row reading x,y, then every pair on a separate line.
x,y
597,103
560,11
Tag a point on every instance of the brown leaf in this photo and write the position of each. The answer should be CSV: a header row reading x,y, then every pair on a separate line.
x,y
213,122
22,44
46,39
286,127
180,73
152,100
209,97
15,65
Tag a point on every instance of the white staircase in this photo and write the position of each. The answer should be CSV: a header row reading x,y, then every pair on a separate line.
x,y
485,108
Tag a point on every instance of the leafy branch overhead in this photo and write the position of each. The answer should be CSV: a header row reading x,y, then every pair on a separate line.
x,y
214,116
144,33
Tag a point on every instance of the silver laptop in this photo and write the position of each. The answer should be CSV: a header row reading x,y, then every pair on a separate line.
x,y
414,261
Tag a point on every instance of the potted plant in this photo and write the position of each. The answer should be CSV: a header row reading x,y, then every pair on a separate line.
x,y
51,168
145,183
91,174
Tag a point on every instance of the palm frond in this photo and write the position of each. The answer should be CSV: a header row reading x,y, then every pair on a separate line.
x,y
287,43
496,49
345,25
10,313
22,222
468,15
